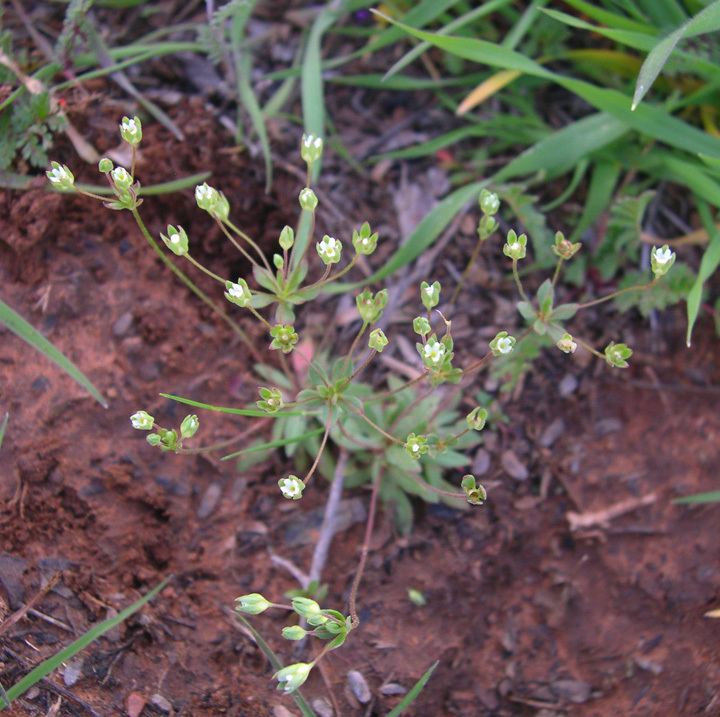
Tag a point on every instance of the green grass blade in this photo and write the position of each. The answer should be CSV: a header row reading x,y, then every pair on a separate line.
x,y
243,73
274,444
564,148
311,79
707,20
647,119
712,496
411,696
52,663
573,184
458,23
32,336
708,265
154,190
303,706
602,185
433,145
226,409
3,427
424,235
610,19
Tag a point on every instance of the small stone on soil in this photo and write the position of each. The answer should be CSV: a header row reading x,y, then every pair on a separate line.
x,y
322,707
359,686
481,462
121,326
162,703
392,688
552,433
209,500
574,691
73,671
568,384
514,467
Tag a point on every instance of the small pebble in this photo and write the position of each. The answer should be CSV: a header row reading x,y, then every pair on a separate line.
x,y
282,711
392,688
573,691
135,704
73,671
209,500
162,703
322,707
568,384
514,467
359,687
481,462
121,325
552,433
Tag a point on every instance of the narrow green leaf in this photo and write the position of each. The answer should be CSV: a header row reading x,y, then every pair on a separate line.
x,y
411,696
707,20
603,181
32,336
3,427
708,265
648,119
564,148
712,496
225,409
273,659
433,145
273,444
52,663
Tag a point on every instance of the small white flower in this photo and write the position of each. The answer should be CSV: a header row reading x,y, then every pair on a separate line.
x,y
291,487
505,345
174,238
429,291
415,447
203,192
57,175
514,246
664,255
142,421
236,290
434,351
121,177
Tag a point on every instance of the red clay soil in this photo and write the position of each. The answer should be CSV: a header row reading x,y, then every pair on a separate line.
x,y
526,616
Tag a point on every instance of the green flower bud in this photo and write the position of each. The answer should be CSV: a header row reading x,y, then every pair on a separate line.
x,y
421,326
176,240
477,418
153,439
489,202
60,176
430,294
287,238
370,306
329,250
293,676
213,202
131,130
365,241
416,446
515,246
566,344
416,597
142,421
311,148
238,293
271,400
284,338
486,226
305,607
252,604
308,200
278,261
291,487
294,632
563,248
432,353
502,344
189,426
121,178
661,260
618,354
168,440
105,165
377,341
474,492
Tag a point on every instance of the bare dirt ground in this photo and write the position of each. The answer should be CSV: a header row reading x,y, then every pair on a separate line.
x,y
526,616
